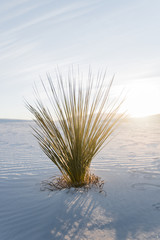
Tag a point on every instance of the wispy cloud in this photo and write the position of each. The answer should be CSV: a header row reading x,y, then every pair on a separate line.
x,y
14,52
13,47
21,11
68,11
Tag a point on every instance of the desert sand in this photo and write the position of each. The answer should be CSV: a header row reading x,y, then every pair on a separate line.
x,y
129,207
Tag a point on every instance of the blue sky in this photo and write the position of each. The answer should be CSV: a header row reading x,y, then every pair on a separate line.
x,y
38,35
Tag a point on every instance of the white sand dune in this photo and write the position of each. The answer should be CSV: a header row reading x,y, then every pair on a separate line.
x,y
129,165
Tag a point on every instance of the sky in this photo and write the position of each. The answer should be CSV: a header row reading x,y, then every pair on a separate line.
x,y
120,35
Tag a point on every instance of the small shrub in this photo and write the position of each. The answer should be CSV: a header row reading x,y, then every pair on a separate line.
x,y
86,119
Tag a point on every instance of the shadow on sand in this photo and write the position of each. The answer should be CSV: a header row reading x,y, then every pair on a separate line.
x,y
92,216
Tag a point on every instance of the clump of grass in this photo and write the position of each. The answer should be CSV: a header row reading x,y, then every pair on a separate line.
x,y
85,119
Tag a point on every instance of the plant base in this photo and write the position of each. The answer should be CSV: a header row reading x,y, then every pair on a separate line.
x,y
59,183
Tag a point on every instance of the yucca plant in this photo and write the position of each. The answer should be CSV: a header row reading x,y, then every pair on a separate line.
x,y
77,126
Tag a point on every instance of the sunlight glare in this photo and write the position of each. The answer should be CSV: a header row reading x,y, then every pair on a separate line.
x,y
142,100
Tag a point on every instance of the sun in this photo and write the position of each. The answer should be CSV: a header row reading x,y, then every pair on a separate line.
x,y
143,100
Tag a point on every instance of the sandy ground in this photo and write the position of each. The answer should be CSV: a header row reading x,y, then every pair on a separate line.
x,y
130,209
